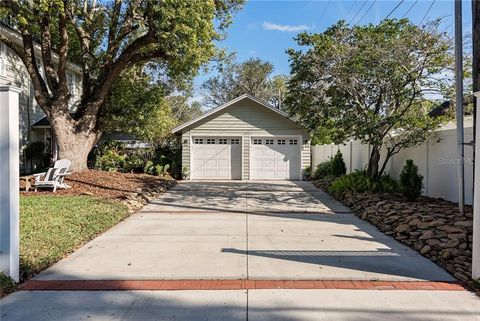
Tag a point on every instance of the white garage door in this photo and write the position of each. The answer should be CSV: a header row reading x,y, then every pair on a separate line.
x,y
275,158
216,158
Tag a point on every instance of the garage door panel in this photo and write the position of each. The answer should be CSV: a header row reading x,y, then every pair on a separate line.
x,y
223,163
269,163
213,158
275,159
281,165
224,152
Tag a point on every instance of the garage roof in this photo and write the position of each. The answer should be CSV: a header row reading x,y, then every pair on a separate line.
x,y
263,103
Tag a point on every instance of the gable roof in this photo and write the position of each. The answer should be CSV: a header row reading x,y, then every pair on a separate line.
x,y
227,104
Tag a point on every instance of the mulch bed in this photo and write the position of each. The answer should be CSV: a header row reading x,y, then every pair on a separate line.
x,y
107,184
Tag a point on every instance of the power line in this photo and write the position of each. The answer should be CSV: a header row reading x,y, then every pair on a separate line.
x,y
350,9
325,11
426,13
411,7
393,10
358,11
367,11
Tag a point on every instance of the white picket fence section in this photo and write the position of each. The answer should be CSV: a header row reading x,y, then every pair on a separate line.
x,y
436,159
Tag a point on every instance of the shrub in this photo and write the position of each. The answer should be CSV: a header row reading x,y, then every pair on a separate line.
x,y
111,161
149,168
411,181
134,163
156,169
357,182
386,184
307,171
334,167
360,182
338,167
323,170
185,172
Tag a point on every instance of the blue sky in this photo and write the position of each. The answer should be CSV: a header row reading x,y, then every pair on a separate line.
x,y
265,29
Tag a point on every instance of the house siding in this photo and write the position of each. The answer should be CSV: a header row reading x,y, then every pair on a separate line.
x,y
247,119
16,75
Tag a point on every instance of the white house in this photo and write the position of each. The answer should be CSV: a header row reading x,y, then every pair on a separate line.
x,y
244,139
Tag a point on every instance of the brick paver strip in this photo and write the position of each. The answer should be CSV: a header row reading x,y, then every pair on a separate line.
x,y
194,284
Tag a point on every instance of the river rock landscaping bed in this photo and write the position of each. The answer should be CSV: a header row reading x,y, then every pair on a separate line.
x,y
433,227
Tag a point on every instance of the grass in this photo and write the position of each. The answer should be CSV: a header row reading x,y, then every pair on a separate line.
x,y
52,227
7,285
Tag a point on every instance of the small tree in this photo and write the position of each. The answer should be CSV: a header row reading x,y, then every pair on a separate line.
x,y
369,83
338,165
411,181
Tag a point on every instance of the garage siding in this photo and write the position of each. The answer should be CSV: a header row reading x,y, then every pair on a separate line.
x,y
305,155
246,158
245,119
245,116
186,146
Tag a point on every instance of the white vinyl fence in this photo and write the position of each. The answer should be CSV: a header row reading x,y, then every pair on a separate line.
x,y
436,159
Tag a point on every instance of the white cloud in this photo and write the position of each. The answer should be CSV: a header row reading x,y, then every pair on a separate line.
x,y
284,28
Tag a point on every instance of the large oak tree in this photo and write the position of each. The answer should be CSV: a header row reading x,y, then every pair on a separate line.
x,y
104,38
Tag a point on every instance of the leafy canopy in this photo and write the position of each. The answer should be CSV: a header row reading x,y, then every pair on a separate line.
x,y
106,37
253,76
369,83
146,108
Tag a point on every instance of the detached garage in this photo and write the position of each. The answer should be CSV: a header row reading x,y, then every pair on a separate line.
x,y
244,139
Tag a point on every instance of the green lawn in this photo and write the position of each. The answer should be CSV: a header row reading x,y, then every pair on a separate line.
x,y
53,226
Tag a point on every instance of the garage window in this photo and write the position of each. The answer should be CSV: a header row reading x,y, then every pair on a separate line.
x,y
210,141
257,142
268,141
198,141
293,142
281,141
223,141
235,141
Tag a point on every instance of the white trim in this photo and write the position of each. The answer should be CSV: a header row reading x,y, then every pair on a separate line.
x,y
476,202
3,59
241,158
250,157
231,102
190,147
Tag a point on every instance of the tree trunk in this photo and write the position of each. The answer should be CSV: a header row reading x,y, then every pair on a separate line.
x,y
372,169
75,139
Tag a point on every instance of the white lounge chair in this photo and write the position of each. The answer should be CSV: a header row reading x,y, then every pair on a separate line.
x,y
54,177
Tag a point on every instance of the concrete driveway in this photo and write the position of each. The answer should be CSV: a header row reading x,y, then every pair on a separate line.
x,y
278,231
281,230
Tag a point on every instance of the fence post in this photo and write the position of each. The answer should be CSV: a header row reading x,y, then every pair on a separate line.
x,y
476,200
9,182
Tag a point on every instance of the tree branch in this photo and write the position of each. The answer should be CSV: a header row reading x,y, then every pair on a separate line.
x,y
62,55
40,88
46,49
